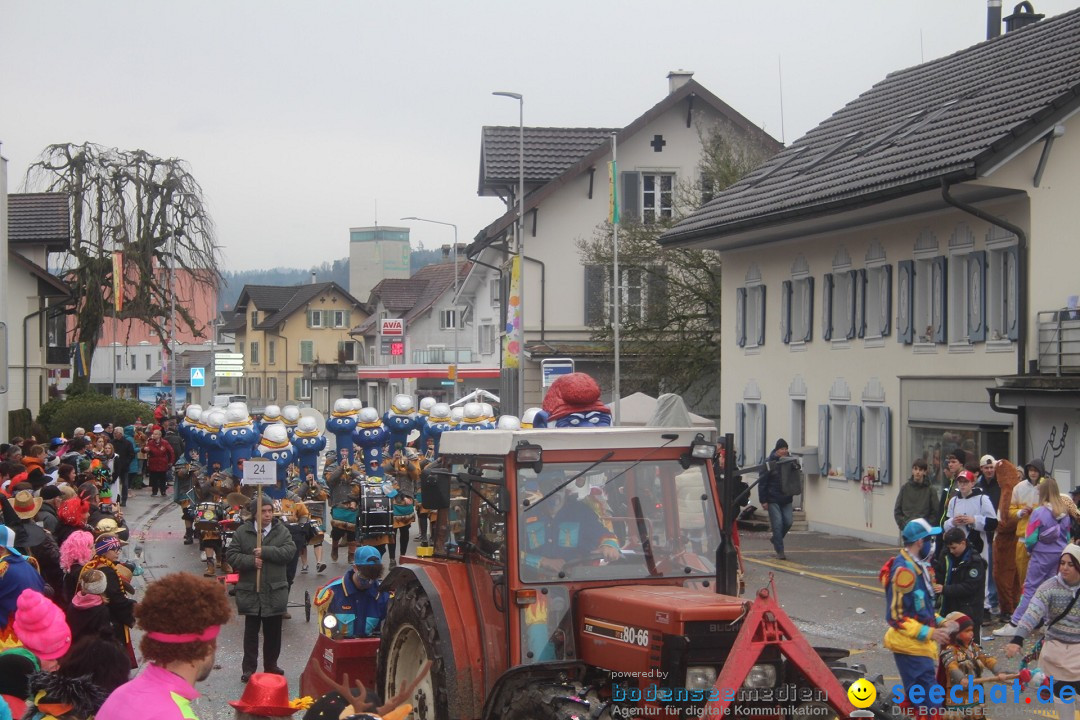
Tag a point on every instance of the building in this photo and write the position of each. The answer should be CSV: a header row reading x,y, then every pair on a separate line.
x,y
430,344
896,282
287,334
567,197
36,302
376,253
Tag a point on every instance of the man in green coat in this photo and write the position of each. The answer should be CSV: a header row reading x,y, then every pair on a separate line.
x,y
916,498
262,607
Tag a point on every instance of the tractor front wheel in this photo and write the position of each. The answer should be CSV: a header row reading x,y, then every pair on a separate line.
x,y
409,639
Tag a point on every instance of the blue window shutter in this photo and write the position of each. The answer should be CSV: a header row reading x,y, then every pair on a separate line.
x,y
1012,287
823,438
740,434
976,285
853,442
809,310
860,306
885,444
761,316
785,312
852,300
940,298
886,301
740,316
826,307
762,441
905,301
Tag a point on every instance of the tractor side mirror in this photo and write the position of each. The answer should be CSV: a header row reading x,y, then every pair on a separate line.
x,y
435,486
502,500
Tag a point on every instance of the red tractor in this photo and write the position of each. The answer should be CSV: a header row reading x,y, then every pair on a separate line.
x,y
590,574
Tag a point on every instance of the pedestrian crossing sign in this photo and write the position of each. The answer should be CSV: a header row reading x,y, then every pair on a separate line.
x,y
198,377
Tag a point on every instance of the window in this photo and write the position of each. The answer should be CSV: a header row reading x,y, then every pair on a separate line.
x,y
797,304
147,361
750,316
877,301
448,319
966,305
750,442
315,319
495,285
271,389
1002,281
839,295
133,364
488,339
929,287
656,196
254,353
933,442
798,423
346,350
371,355
341,318
840,440
302,388
643,298
254,388
119,361
254,318
271,352
307,351
877,442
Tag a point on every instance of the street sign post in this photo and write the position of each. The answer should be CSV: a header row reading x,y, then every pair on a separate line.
x,y
554,367
259,471
228,373
228,363
228,356
198,377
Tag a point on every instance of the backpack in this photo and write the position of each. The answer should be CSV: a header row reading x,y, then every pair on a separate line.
x,y
791,479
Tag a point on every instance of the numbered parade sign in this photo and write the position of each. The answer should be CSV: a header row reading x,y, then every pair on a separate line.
x,y
259,471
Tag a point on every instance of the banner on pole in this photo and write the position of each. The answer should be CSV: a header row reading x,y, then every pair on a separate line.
x,y
118,280
613,193
513,335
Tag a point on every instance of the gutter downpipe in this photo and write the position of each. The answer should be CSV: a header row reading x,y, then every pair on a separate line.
x,y
26,354
1021,305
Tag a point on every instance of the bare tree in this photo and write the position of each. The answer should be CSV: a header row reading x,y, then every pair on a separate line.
x,y
152,210
670,306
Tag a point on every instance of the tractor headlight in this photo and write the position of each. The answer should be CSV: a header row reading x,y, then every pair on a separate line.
x,y
700,677
761,676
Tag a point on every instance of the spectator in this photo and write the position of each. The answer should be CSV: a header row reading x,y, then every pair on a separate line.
x,y
916,499
34,541
989,484
953,467
971,510
1074,531
1055,602
915,631
74,514
772,498
179,649
18,575
76,551
87,614
35,458
1025,497
50,501
261,605
961,575
125,455
159,458
39,625
121,604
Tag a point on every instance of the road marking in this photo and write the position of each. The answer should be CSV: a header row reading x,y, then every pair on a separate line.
x,y
797,570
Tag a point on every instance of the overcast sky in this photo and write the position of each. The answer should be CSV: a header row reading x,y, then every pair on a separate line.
x,y
299,119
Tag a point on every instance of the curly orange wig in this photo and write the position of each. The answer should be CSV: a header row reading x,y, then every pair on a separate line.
x,y
204,605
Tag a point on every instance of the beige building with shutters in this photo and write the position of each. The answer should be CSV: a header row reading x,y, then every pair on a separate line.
x,y
284,332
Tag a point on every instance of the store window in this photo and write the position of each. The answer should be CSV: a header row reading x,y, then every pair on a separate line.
x,y
933,442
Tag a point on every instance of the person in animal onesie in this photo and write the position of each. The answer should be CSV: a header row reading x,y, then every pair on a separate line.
x,y
1006,576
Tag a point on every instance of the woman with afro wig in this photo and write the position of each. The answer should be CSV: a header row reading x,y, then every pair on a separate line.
x,y
179,648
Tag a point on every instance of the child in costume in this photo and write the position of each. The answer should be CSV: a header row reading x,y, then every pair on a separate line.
x,y
961,660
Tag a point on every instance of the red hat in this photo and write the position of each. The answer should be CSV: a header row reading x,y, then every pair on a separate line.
x,y
265,694
966,475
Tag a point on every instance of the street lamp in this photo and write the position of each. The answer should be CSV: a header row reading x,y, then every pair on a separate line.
x,y
457,318
520,242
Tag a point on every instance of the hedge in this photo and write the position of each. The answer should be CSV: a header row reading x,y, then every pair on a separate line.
x,y
88,409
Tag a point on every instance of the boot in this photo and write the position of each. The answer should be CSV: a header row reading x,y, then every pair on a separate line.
x,y
393,563
333,551
189,536
225,567
352,552
210,572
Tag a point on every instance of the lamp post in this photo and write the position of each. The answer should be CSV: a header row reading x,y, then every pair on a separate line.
x,y
520,243
457,318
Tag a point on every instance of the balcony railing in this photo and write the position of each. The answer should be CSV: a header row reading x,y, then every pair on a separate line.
x,y
1059,341
441,356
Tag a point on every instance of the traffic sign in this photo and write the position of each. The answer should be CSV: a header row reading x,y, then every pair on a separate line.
x,y
231,363
554,367
228,356
259,471
447,382
198,377
228,373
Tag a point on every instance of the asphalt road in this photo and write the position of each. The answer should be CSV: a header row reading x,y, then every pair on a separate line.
x,y
828,586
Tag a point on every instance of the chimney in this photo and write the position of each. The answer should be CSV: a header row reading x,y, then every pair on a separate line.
x,y
446,250
312,277
993,18
677,78
1023,15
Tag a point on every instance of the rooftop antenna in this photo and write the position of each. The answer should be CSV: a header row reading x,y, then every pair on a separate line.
x,y
922,52
780,74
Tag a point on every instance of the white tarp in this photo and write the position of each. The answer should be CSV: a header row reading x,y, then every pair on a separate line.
x,y
478,395
640,410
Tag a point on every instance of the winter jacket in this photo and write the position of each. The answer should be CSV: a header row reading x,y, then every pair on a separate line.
x,y
768,490
915,500
978,506
48,518
1049,601
157,693
18,574
963,582
278,549
121,605
125,453
89,615
159,456
909,607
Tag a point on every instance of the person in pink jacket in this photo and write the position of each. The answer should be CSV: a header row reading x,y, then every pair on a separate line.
x,y
179,648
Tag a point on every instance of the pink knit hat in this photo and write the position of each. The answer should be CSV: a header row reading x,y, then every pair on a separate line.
x,y
40,626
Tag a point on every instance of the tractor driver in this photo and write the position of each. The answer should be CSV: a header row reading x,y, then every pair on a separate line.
x,y
356,600
564,530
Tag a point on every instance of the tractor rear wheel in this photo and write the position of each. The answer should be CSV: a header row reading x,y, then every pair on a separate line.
x,y
548,702
409,639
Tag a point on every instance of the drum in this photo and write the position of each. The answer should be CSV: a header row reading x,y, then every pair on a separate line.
x,y
376,514
208,517
316,526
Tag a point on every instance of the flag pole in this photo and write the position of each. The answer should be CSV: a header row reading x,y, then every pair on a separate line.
x,y
616,285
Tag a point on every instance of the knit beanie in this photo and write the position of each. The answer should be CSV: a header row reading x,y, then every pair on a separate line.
x,y
93,582
40,626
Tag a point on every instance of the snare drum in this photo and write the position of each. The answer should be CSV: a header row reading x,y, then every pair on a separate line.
x,y
208,516
376,514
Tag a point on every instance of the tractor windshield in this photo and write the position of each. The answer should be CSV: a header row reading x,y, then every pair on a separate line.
x,y
594,528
